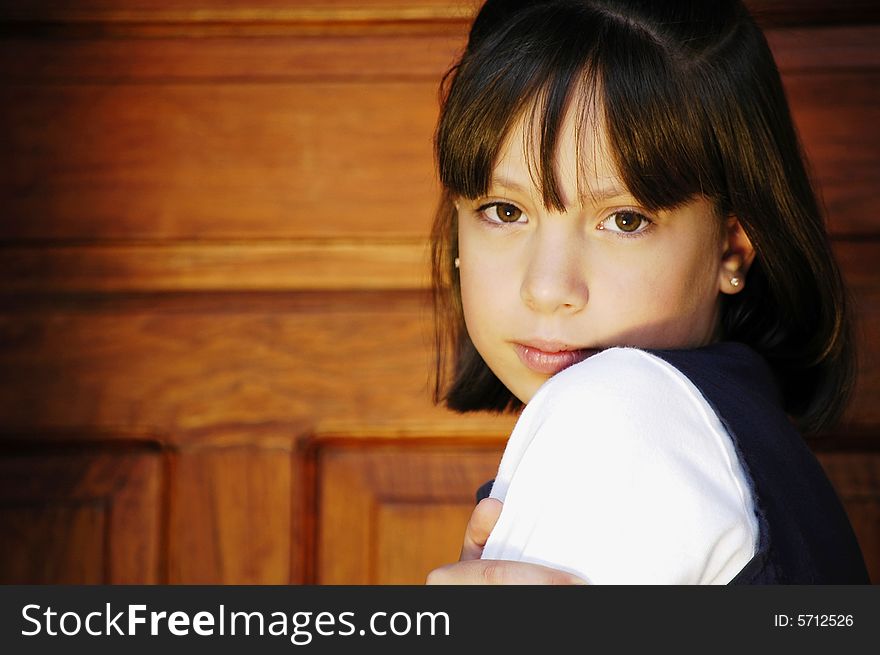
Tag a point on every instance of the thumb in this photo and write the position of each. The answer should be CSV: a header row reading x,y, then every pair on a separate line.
x,y
482,520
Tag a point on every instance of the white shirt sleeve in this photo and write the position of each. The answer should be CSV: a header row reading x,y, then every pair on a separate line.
x,y
620,472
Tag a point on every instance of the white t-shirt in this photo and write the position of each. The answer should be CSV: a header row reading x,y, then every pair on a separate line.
x,y
620,472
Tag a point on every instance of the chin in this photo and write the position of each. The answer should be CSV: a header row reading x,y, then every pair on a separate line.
x,y
525,391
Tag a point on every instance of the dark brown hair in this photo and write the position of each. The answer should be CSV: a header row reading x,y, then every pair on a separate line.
x,y
693,104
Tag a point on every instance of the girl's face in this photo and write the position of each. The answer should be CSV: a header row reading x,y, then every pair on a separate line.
x,y
543,289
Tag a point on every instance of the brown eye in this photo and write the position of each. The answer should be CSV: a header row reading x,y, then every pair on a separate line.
x,y
508,213
501,213
628,221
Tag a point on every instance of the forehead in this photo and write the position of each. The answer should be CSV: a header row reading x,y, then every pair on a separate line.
x,y
583,165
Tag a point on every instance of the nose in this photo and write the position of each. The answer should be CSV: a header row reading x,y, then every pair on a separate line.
x,y
555,274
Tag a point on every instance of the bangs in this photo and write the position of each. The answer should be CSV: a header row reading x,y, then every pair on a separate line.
x,y
622,85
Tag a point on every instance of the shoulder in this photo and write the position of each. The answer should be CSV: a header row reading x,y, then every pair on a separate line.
x,y
611,361
624,388
626,442
631,411
612,372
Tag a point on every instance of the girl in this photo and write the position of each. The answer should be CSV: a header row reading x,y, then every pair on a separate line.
x,y
628,245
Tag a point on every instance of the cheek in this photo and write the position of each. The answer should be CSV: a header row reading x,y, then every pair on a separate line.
x,y
486,285
666,293
481,300
689,286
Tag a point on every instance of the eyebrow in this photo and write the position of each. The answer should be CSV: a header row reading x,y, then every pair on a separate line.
x,y
596,195
507,184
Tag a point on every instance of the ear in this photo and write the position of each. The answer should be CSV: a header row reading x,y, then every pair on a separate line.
x,y
736,257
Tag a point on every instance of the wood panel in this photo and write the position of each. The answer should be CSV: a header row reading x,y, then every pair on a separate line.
x,y
256,59
241,9
186,361
230,516
368,56
858,260
136,144
769,12
389,513
80,517
54,545
218,161
275,265
806,12
856,478
837,114
410,538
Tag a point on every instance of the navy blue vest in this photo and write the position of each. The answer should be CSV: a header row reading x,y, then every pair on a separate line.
x,y
804,535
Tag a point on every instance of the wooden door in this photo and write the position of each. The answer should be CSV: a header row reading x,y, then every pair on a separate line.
x,y
81,516
213,225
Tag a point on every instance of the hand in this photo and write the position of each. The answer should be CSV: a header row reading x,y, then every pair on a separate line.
x,y
470,569
483,519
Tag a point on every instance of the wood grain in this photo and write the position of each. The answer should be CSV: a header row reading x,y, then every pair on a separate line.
x,y
304,265
80,518
297,13
188,140
858,260
238,10
225,161
856,478
367,56
388,514
191,360
54,545
230,516
187,362
300,58
837,114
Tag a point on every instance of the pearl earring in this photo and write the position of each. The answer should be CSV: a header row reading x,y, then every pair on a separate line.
x,y
457,262
734,281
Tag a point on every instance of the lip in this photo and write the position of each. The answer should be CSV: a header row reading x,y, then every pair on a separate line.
x,y
550,357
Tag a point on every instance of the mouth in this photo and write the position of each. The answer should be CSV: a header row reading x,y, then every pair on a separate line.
x,y
548,358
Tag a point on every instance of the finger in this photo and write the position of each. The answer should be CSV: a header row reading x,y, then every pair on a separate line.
x,y
500,572
482,520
